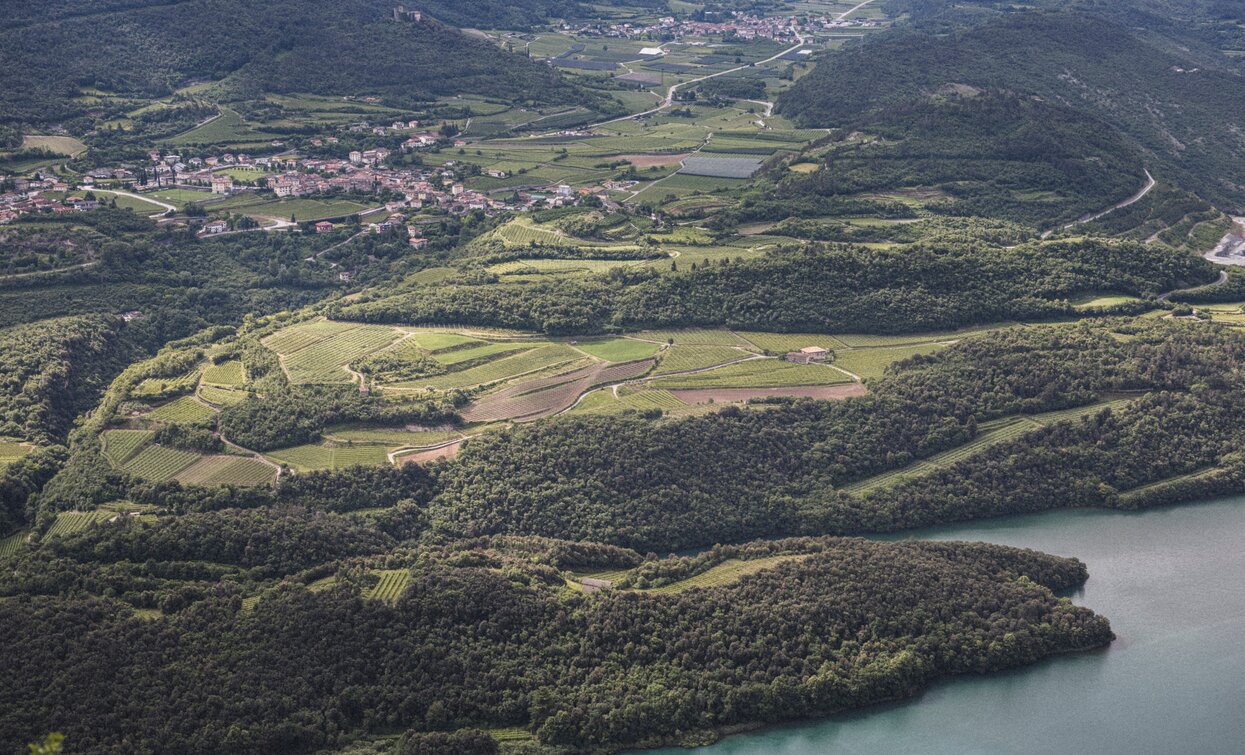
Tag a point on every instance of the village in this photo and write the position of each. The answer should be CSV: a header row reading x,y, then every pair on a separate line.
x,y
728,25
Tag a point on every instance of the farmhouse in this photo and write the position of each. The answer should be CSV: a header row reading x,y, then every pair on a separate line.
x,y
221,184
324,226
808,355
215,226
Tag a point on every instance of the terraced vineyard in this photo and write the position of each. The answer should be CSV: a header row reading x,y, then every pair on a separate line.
x,y
69,522
777,344
221,396
158,463
539,358
757,373
604,402
618,349
226,470
185,409
681,358
540,398
313,456
393,582
225,373
479,351
13,543
119,446
166,386
872,363
693,337
318,352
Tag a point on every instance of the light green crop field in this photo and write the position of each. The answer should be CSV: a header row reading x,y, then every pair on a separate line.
x,y
757,373
680,358
159,463
859,340
61,145
312,456
226,470
318,352
185,409
872,363
119,446
11,451
69,522
225,373
13,543
165,386
393,582
435,342
618,349
777,344
229,126
538,358
1106,300
301,209
222,396
604,402
481,352
391,437
726,573
693,337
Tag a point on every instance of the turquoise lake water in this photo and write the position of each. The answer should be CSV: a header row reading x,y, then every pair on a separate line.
x,y
1172,583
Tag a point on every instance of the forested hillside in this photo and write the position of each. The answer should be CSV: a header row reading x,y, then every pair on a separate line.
x,y
1185,115
150,48
486,635
921,287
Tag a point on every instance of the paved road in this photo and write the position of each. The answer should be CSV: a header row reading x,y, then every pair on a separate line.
x,y
168,207
1150,184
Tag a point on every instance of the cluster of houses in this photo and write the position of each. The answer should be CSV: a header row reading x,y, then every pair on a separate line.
x,y
27,197
737,24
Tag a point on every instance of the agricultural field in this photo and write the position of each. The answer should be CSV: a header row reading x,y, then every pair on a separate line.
x,y
546,396
228,126
159,463
12,543
69,522
119,446
693,337
61,145
393,582
728,572
757,373
11,451
605,401
157,387
226,470
219,396
681,358
777,344
318,352
225,373
618,349
872,363
301,210
541,357
313,456
185,409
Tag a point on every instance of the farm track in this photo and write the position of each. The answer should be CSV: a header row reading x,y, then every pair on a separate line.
x,y
547,396
18,276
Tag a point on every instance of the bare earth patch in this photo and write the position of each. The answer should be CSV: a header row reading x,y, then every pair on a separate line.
x,y
692,396
648,161
435,454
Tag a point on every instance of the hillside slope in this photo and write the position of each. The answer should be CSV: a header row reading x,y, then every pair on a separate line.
x,y
148,48
1187,119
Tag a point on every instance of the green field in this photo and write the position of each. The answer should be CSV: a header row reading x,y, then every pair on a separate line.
x,y
222,396
872,363
227,127
730,571
393,582
69,522
158,463
11,451
301,209
225,373
119,446
693,337
757,373
61,145
155,387
604,402
226,470
680,358
618,349
777,344
318,351
541,357
312,456
12,543
185,409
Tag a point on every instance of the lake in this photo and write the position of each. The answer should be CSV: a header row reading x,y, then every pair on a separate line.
x,y
1172,583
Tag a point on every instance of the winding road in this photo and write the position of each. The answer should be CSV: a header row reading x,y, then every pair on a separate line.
x,y
1150,184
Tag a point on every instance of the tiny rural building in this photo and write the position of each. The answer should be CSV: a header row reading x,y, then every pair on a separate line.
x,y
808,355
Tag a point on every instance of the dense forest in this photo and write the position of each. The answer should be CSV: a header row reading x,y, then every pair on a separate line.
x,y
486,637
1183,113
824,289
147,48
